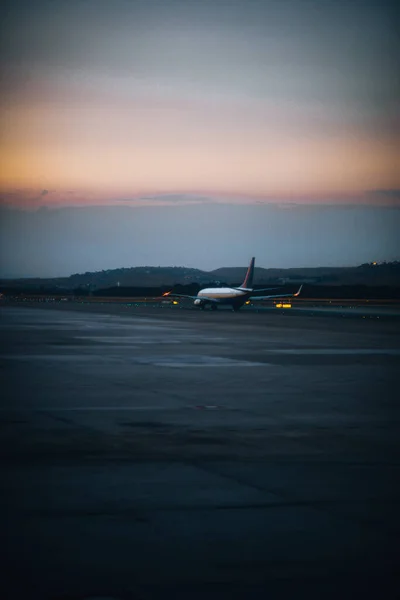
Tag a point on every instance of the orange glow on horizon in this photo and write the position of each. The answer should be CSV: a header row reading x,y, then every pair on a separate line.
x,y
104,155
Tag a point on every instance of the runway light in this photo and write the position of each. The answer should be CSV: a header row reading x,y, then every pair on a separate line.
x,y
175,302
283,305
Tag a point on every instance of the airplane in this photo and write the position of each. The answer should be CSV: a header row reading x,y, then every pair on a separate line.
x,y
233,296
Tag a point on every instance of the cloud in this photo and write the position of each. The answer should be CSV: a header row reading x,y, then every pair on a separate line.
x,y
172,198
389,196
32,199
28,199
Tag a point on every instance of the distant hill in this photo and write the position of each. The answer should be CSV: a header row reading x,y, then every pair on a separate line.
x,y
370,274
366,274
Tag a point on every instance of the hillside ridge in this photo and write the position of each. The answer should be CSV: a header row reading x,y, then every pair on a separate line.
x,y
147,276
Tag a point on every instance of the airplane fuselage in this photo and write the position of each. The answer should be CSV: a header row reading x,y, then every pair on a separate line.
x,y
226,295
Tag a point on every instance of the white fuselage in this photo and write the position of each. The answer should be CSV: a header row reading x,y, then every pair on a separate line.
x,y
221,293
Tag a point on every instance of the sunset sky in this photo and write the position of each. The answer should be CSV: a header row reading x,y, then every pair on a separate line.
x,y
145,103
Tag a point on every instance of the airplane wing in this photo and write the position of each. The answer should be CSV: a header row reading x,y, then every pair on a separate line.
x,y
172,295
266,289
276,295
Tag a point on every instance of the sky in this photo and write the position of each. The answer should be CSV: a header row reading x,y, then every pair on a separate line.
x,y
163,110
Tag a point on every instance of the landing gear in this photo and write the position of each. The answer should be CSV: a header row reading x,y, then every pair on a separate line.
x,y
214,307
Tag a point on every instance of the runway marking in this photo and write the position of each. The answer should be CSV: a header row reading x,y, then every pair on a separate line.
x,y
100,408
153,361
110,339
350,351
62,357
198,361
103,408
134,340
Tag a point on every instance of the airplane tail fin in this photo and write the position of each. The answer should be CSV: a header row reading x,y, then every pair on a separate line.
x,y
248,280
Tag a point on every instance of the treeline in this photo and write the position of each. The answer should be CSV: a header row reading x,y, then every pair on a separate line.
x,y
309,291
346,292
373,274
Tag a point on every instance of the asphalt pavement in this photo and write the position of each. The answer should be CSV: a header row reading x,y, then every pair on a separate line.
x,y
151,453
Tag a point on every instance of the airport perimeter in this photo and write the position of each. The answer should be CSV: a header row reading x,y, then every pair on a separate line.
x,y
153,453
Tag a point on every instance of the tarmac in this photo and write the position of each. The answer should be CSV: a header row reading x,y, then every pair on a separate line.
x,y
152,453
